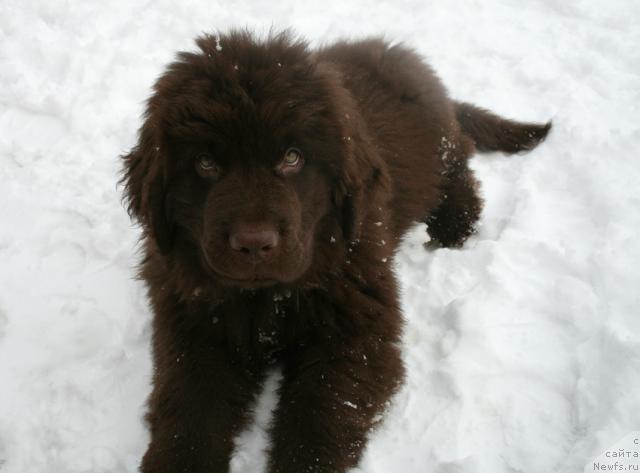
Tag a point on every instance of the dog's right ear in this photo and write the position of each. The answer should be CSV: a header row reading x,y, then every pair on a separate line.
x,y
144,177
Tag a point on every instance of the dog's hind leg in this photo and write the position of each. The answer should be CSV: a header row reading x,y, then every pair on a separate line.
x,y
453,221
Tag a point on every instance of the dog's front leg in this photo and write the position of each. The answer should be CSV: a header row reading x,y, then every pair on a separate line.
x,y
329,402
196,408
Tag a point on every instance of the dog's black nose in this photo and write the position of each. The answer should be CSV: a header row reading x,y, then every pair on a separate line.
x,y
258,242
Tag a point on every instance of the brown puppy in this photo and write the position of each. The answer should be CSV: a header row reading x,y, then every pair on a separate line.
x,y
273,185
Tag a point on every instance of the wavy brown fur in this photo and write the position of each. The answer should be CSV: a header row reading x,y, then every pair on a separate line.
x,y
382,149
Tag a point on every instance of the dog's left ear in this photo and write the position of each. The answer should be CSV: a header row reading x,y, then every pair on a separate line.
x,y
145,185
349,196
363,178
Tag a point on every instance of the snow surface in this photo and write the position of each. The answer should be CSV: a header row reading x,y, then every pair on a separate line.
x,y
522,348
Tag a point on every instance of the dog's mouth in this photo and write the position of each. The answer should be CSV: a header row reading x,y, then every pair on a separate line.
x,y
255,278
256,275
250,281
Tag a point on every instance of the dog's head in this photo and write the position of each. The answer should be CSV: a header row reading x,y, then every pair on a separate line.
x,y
249,151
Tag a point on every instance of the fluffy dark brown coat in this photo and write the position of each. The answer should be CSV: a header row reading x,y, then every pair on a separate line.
x,y
273,184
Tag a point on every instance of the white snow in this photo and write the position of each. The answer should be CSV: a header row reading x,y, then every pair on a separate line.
x,y
522,348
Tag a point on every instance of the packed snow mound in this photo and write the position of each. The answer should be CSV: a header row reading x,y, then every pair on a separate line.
x,y
522,348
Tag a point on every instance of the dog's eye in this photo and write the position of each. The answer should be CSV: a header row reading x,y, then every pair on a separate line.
x,y
292,157
206,162
291,162
207,166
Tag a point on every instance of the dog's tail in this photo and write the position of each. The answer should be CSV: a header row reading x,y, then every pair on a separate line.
x,y
493,133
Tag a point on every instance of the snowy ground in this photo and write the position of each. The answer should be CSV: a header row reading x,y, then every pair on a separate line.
x,y
522,348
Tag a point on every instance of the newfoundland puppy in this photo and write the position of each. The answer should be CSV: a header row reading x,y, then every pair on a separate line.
x,y
273,184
